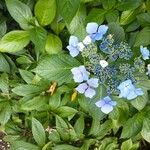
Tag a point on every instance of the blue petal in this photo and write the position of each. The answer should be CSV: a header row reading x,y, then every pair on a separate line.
x,y
102,29
145,52
132,95
73,41
90,92
100,103
124,93
91,28
82,88
73,51
98,36
107,99
106,108
85,74
139,91
93,82
77,75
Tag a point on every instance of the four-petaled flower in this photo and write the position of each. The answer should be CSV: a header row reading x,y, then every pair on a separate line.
x,y
80,74
95,31
145,52
88,88
127,90
106,104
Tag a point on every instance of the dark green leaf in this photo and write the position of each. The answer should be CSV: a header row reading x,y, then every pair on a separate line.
x,y
108,4
144,19
4,65
3,28
20,12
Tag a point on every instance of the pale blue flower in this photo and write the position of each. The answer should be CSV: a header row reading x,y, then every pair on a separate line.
x,y
88,88
95,31
75,46
145,52
106,104
80,74
127,90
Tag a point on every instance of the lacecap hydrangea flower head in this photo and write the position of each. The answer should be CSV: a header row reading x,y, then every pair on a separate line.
x,y
106,63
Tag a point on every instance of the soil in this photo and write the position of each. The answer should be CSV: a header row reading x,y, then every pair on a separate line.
x,y
3,145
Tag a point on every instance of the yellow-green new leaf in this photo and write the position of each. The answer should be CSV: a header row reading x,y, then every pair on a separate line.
x,y
14,41
53,44
45,11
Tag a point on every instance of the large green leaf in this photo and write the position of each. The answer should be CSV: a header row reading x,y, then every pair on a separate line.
x,y
4,65
45,11
20,12
133,126
68,8
143,37
108,4
146,130
14,41
144,19
57,68
38,132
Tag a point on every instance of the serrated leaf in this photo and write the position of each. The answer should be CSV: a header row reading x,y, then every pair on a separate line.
x,y
133,126
53,44
20,12
66,7
45,11
117,32
146,130
14,41
143,37
38,132
57,68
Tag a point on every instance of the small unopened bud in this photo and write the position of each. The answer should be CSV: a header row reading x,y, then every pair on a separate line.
x,y
103,63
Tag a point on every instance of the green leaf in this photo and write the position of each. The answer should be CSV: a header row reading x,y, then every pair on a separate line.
x,y
65,111
65,147
143,37
79,126
144,19
87,143
38,132
5,113
21,145
127,145
53,44
117,32
66,7
108,4
96,15
34,103
146,130
140,102
14,41
27,90
3,28
38,36
62,128
112,16
4,83
20,12
4,65
54,136
26,75
128,4
132,26
45,11
133,126
57,68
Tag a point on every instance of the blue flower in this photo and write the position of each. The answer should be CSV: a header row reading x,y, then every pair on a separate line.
x,y
80,74
145,52
106,104
88,88
95,31
127,90
75,46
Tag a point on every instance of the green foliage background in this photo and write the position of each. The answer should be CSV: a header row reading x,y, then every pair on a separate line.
x,y
33,39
